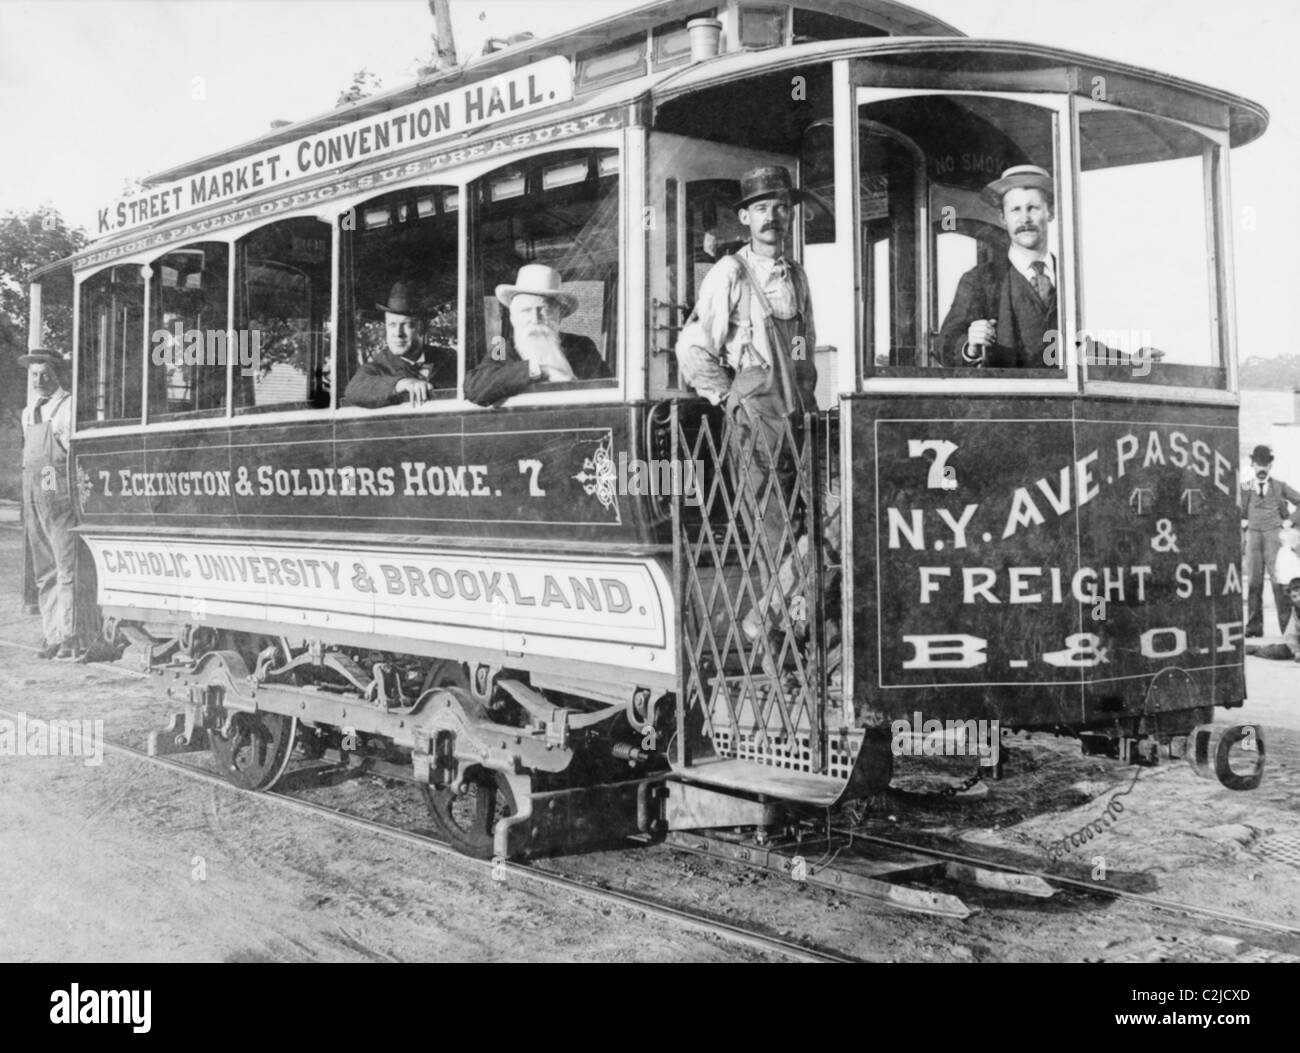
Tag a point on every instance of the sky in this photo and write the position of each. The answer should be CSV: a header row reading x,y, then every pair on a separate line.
x,y
94,93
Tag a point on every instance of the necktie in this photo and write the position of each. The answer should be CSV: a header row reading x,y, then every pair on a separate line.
x,y
36,410
1042,283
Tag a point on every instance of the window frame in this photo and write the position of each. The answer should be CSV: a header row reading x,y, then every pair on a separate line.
x,y
940,381
629,343
1215,195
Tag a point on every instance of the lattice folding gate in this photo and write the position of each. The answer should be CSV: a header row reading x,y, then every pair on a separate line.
x,y
749,541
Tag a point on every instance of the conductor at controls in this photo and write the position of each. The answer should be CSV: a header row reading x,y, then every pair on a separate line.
x,y
1003,308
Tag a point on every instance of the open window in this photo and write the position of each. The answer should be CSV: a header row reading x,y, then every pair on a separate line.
x,y
280,348
189,348
408,237
560,210
936,253
110,360
1150,234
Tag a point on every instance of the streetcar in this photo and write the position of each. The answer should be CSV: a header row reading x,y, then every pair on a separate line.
x,y
535,609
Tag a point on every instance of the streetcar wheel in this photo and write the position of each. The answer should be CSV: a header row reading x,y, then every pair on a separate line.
x,y
257,751
469,819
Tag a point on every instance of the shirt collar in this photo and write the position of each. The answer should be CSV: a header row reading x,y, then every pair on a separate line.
x,y
1021,259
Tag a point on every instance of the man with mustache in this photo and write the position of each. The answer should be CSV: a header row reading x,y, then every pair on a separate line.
x,y
538,353
48,515
404,370
1003,309
1266,507
749,343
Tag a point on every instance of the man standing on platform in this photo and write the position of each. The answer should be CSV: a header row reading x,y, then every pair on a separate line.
x,y
749,343
1266,506
47,501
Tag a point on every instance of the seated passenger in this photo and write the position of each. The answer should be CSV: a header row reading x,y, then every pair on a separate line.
x,y
1003,308
540,353
404,369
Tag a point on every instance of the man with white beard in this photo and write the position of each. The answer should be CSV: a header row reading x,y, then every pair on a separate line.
x,y
539,353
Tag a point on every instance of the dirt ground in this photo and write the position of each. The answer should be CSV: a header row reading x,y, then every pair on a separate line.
x,y
124,862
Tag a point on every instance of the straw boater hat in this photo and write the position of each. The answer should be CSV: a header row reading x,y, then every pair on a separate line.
x,y
537,279
1261,455
1028,176
42,354
767,181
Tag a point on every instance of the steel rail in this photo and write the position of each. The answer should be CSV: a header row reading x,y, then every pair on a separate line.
x,y
689,919
1091,887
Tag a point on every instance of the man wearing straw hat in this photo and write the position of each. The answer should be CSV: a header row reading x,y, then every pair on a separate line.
x,y
47,501
1003,309
1266,507
538,352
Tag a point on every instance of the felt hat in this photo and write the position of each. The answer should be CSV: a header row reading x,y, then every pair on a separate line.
x,y
537,279
1027,176
401,300
767,181
1261,455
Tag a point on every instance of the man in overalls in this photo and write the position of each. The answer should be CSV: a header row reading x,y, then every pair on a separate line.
x,y
47,501
750,342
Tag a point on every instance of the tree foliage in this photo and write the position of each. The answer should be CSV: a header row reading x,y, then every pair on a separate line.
x,y
1271,374
364,84
30,239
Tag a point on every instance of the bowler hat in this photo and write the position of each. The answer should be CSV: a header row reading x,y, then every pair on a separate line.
x,y
1261,455
537,279
1027,176
767,181
401,300
42,354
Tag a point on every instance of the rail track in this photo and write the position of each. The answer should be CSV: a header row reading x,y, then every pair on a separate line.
x,y
858,862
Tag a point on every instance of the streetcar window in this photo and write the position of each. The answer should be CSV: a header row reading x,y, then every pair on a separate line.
x,y
1150,281
402,245
762,27
538,212
189,337
935,156
282,307
817,25
110,360
620,61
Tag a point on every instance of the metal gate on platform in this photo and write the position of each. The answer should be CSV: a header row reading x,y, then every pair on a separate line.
x,y
753,567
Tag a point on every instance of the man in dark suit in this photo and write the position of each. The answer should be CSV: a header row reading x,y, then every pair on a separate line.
x,y
1004,309
1266,508
402,371
539,352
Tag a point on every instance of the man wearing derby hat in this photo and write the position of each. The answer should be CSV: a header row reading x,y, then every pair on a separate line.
x,y
537,353
750,341
403,370
1002,309
47,501
1266,507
